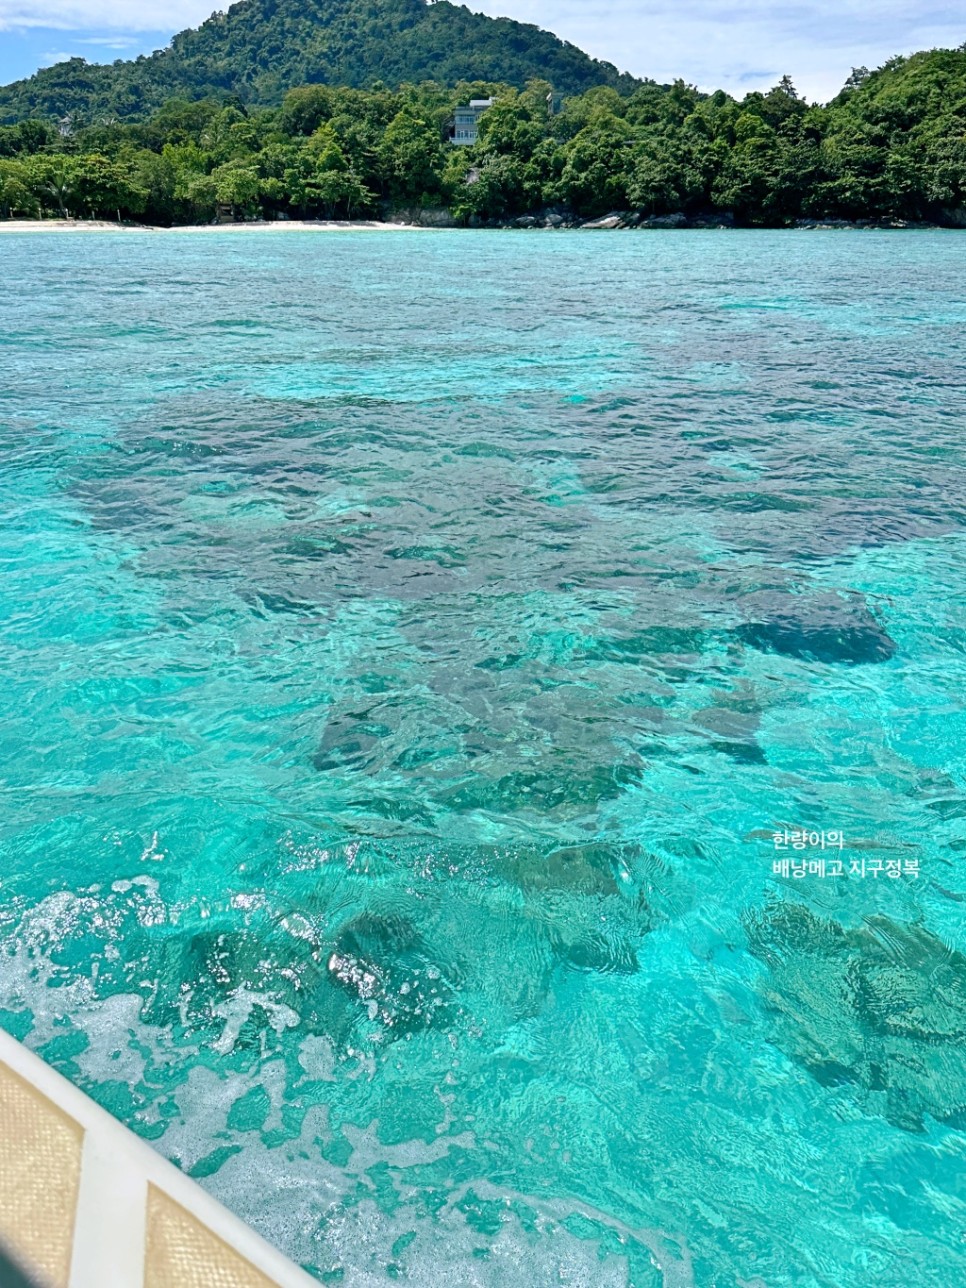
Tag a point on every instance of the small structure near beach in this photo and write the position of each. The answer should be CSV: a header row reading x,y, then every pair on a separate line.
x,y
466,121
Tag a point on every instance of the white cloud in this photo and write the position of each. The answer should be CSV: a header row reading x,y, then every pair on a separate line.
x,y
109,42
112,15
50,58
741,45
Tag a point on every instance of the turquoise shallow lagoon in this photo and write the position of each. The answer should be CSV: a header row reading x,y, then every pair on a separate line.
x,y
411,645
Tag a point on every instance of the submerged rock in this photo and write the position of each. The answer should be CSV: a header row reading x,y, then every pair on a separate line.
x,y
733,733
568,787
228,980
881,1007
650,641
577,869
600,954
816,628
381,960
350,742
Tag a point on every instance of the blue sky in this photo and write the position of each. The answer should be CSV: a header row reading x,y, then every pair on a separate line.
x,y
737,45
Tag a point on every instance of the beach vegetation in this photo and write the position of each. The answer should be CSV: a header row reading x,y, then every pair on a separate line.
x,y
890,146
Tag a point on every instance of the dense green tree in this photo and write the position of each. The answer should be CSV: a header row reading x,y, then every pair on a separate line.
x,y
512,128
237,186
304,109
25,137
598,166
492,190
892,145
155,177
200,193
410,158
320,178
667,179
943,168
16,197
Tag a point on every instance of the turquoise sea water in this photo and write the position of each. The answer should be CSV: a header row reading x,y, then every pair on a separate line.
x,y
410,646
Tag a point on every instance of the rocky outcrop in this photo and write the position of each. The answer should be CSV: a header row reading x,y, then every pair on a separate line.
x,y
424,216
557,217
828,224
607,221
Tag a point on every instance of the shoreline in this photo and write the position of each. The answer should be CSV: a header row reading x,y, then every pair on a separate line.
x,y
259,225
525,223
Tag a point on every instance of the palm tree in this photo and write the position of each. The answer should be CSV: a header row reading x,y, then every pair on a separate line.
x,y
54,178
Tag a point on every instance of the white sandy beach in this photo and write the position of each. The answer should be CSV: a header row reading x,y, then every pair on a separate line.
x,y
275,226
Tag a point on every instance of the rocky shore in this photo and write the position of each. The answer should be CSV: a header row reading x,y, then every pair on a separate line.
x,y
557,218
417,219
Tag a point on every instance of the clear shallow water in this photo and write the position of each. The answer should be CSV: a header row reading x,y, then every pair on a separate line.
x,y
410,645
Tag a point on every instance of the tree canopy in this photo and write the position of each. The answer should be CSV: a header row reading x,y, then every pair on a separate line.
x,y
892,145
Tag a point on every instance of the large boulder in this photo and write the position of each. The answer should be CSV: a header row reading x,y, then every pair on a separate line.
x,y
676,220
613,220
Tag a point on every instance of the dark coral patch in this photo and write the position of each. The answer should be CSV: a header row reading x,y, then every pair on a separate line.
x,y
881,1007
826,628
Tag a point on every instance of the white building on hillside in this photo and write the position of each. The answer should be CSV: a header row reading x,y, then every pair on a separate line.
x,y
466,121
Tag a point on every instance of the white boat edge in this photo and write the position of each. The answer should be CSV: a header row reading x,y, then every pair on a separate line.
x,y
120,1178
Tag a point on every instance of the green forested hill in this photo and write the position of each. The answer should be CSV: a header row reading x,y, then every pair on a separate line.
x,y
261,48
891,146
